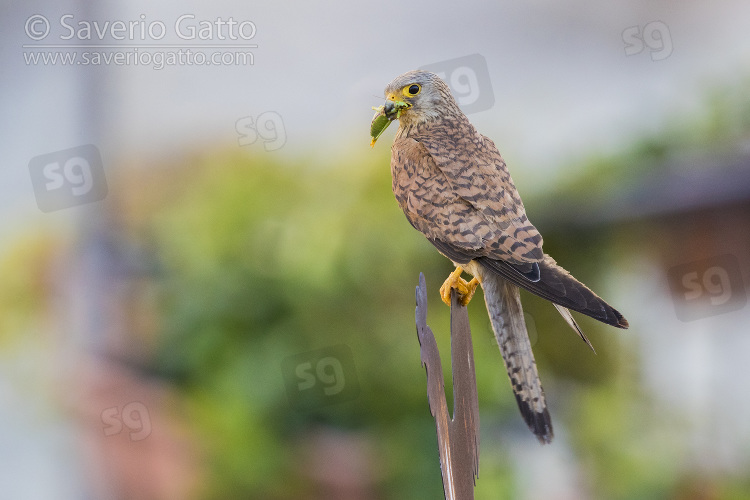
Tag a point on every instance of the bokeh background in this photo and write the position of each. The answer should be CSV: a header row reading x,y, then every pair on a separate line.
x,y
233,315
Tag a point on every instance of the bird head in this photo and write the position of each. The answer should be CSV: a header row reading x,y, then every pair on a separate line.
x,y
412,98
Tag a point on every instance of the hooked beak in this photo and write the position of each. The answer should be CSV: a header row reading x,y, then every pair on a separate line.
x,y
386,113
389,110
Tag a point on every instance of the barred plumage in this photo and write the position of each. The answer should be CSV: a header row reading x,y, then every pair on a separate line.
x,y
454,187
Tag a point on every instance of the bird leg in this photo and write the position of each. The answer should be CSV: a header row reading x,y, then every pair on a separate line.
x,y
465,289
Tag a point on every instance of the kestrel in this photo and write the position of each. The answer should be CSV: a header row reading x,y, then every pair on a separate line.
x,y
454,187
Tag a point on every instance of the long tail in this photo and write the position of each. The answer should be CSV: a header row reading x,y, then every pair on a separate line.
x,y
558,286
503,301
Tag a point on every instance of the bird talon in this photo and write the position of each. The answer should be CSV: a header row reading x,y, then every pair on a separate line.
x,y
471,288
465,289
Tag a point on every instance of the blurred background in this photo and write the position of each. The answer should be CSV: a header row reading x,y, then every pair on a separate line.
x,y
208,288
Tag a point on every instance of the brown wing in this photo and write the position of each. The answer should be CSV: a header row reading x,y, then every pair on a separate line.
x,y
477,174
457,217
558,286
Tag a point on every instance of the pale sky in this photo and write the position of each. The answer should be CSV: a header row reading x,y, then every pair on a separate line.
x,y
563,85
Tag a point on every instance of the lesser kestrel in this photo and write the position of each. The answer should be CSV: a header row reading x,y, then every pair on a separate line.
x,y
454,187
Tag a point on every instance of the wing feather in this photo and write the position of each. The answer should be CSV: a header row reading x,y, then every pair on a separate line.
x,y
441,203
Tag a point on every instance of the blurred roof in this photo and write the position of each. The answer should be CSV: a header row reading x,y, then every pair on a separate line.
x,y
679,186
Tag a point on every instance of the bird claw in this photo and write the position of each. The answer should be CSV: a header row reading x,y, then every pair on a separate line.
x,y
465,289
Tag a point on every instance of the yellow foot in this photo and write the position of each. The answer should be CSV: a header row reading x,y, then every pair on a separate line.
x,y
465,289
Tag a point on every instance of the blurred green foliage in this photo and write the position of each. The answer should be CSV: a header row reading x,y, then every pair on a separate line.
x,y
25,269
264,261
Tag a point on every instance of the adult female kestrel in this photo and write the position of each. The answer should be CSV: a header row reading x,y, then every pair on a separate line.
x,y
454,187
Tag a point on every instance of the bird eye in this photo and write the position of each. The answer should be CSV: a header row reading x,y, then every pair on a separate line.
x,y
412,90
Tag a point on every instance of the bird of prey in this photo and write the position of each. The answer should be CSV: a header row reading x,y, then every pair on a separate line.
x,y
454,187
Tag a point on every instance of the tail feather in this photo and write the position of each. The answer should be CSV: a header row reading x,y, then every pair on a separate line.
x,y
565,313
503,301
559,287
